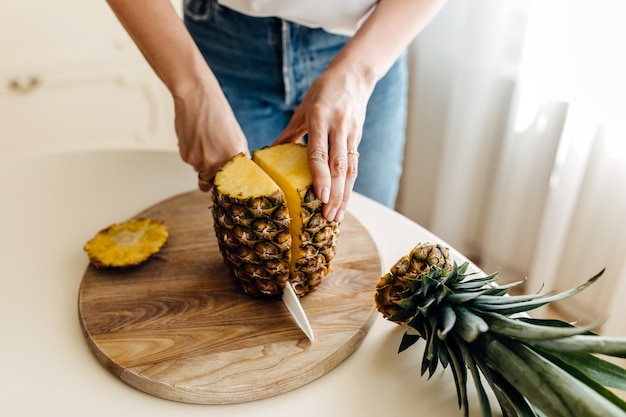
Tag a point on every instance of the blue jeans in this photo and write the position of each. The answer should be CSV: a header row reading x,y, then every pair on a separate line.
x,y
265,67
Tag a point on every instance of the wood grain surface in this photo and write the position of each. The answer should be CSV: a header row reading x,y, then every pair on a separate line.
x,y
178,326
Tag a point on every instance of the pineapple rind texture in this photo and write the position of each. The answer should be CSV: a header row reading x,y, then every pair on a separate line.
x,y
400,282
126,244
315,247
472,324
252,227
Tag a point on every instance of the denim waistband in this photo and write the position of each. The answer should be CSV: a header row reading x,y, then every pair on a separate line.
x,y
291,54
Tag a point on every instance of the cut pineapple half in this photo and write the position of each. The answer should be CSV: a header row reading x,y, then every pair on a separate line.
x,y
313,236
126,244
251,223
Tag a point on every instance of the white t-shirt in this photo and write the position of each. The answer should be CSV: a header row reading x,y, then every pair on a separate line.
x,y
342,17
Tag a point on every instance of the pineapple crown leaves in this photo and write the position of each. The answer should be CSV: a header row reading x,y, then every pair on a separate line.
x,y
534,367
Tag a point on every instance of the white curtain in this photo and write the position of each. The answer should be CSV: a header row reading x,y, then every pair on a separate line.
x,y
517,151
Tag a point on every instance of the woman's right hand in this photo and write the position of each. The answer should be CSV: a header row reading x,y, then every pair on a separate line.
x,y
208,133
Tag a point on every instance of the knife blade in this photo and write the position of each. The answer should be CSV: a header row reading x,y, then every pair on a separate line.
x,y
291,301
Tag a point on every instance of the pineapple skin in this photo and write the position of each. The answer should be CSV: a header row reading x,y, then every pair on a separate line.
x,y
398,284
316,245
252,231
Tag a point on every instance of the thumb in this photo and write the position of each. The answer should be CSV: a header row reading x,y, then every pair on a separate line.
x,y
294,131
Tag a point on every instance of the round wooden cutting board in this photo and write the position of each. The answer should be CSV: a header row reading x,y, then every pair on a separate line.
x,y
178,326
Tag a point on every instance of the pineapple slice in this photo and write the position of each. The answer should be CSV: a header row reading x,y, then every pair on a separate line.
x,y
126,244
269,224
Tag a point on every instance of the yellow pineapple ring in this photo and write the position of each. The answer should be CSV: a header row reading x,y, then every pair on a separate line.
x,y
127,244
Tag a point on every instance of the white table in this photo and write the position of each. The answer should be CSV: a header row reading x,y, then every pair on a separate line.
x,y
52,203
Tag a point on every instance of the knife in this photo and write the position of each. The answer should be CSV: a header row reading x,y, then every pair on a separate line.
x,y
297,312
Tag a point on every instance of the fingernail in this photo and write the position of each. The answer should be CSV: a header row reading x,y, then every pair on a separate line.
x,y
339,216
330,215
325,195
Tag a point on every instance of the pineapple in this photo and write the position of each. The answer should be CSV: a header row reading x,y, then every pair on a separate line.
x,y
126,244
534,367
269,223
398,285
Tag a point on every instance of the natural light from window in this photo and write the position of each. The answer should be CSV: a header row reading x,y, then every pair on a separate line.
x,y
574,52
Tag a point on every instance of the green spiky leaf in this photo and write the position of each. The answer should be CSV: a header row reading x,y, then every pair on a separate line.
x,y
534,367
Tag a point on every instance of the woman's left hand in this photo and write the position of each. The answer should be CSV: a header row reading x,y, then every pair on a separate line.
x,y
332,113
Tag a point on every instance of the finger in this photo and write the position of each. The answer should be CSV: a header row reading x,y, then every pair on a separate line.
x,y
318,162
205,182
289,136
294,131
351,174
209,163
338,165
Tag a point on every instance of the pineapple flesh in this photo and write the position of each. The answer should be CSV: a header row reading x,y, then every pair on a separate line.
x,y
126,244
268,222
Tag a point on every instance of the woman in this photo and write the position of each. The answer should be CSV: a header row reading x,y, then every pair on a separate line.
x,y
248,73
